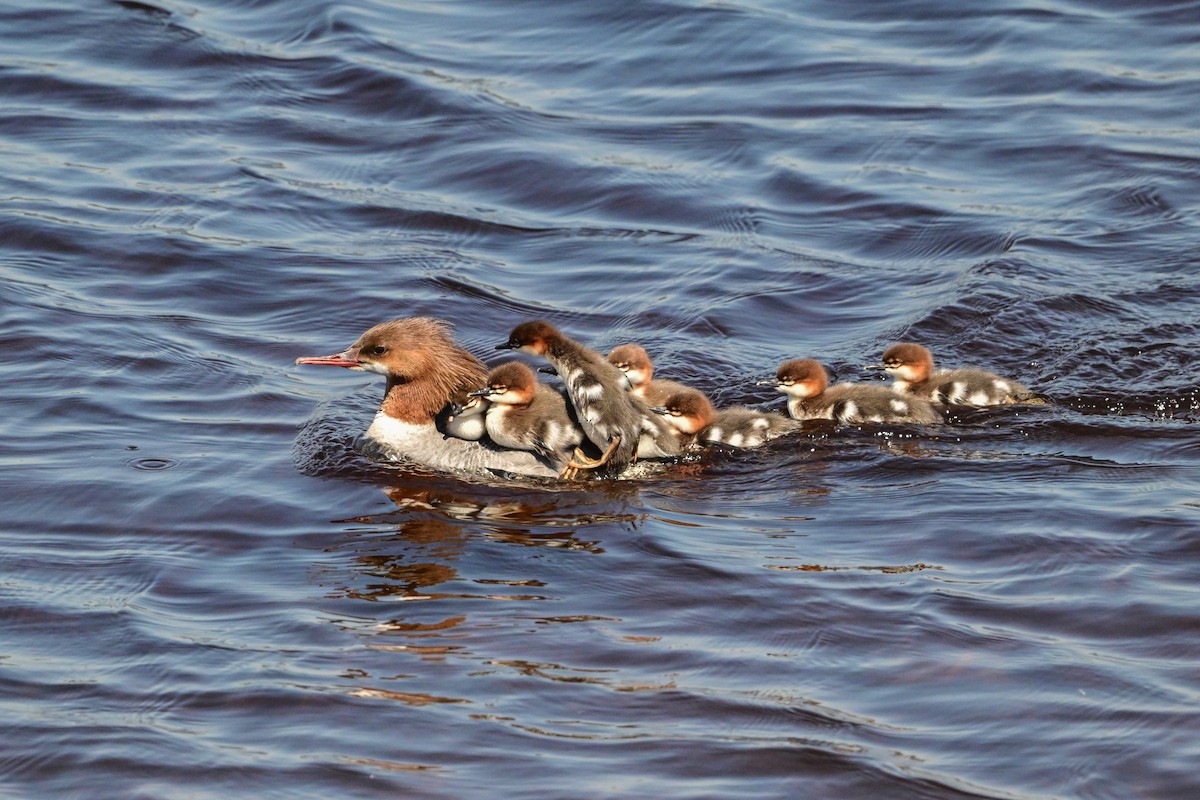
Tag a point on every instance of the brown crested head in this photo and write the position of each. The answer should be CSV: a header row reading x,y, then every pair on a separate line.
x,y
533,337
802,376
424,366
630,357
908,362
688,410
906,354
512,376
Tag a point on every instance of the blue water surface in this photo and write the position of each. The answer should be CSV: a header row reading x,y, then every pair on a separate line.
x,y
208,593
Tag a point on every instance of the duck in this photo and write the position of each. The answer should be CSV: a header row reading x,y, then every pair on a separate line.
x,y
524,414
693,415
806,383
425,369
612,419
912,367
634,361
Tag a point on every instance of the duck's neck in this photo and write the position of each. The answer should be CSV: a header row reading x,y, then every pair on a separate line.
x,y
798,407
565,349
417,400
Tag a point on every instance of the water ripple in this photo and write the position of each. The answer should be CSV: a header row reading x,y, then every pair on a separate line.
x,y
1001,606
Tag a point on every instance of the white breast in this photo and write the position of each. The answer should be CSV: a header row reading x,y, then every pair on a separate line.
x,y
389,439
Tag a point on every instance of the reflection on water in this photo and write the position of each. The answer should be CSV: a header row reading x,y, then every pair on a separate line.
x,y
402,555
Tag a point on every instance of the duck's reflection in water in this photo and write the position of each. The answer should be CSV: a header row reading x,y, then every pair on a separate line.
x,y
443,585
406,553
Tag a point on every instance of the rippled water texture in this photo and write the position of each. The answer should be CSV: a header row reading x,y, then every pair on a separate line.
x,y
207,593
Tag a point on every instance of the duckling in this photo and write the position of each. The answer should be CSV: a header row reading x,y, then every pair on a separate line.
x,y
691,413
912,367
465,420
806,383
524,414
634,361
741,426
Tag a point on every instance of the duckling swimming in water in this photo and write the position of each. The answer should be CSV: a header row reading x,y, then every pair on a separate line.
x,y
691,413
634,361
912,367
806,383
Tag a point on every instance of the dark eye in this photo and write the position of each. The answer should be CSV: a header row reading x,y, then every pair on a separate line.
x,y
377,350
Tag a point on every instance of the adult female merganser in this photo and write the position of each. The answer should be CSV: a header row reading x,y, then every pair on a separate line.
x,y
425,370
634,361
912,367
611,418
806,383
527,415
691,413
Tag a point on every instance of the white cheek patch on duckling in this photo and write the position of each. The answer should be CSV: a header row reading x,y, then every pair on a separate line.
x,y
507,397
675,423
807,390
